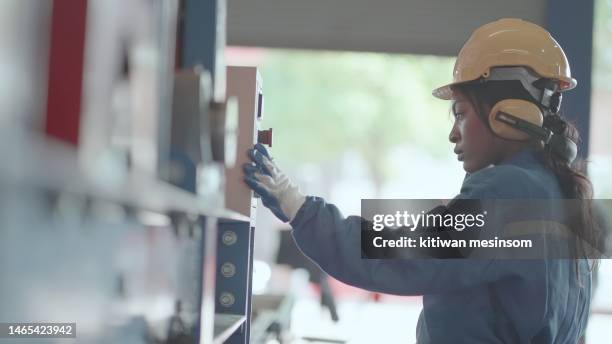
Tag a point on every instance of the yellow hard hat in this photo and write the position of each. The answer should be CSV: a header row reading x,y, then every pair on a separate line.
x,y
510,42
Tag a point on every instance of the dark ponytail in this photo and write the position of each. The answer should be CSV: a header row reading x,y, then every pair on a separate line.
x,y
575,185
572,178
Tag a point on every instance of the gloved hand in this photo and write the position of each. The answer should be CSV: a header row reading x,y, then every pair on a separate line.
x,y
275,189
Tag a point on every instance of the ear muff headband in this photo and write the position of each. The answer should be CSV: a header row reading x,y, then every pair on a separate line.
x,y
514,125
558,144
524,126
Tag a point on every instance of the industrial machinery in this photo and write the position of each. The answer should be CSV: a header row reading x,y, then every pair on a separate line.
x,y
122,208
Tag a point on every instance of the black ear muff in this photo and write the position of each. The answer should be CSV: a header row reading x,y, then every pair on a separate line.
x,y
563,147
516,119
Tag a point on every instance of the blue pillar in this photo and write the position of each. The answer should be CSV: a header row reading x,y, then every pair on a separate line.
x,y
571,23
202,41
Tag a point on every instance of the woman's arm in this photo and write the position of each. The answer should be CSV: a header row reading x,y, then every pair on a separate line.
x,y
334,243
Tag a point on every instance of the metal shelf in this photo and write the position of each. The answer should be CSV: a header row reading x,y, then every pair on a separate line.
x,y
226,325
39,162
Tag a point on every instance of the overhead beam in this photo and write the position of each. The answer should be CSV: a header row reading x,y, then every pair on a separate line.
x,y
437,27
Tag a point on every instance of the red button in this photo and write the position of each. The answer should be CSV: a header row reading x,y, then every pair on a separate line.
x,y
265,137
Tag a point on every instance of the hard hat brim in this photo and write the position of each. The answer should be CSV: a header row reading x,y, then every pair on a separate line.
x,y
446,92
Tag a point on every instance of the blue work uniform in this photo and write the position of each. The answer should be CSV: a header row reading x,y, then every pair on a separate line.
x,y
464,300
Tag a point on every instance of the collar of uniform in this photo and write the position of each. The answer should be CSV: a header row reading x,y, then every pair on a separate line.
x,y
527,156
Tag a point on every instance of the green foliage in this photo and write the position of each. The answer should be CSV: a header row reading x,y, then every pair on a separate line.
x,y
322,104
602,45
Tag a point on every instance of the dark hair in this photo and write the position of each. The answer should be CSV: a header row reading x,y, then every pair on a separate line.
x,y
572,177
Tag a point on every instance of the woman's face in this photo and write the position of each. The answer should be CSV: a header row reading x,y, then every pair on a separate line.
x,y
475,144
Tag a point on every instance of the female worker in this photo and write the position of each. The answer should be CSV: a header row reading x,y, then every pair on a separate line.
x,y
506,93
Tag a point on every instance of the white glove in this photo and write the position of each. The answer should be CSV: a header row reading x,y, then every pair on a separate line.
x,y
277,192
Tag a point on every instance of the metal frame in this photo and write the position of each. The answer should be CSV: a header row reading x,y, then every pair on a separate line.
x,y
234,274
